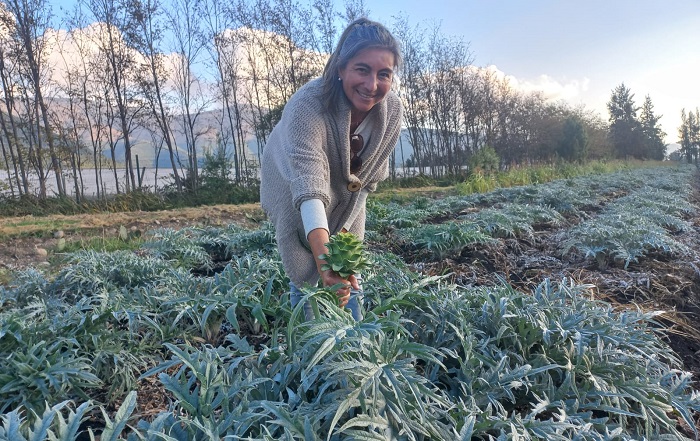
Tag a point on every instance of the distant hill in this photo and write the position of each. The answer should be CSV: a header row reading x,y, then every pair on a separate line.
x,y
207,124
142,143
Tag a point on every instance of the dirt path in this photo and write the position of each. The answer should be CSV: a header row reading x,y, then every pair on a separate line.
x,y
28,240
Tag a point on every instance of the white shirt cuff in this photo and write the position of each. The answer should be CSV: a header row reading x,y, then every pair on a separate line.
x,y
313,215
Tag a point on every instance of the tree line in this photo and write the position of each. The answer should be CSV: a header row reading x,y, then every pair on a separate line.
x,y
204,76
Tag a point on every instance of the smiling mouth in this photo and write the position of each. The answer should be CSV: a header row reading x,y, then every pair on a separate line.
x,y
365,96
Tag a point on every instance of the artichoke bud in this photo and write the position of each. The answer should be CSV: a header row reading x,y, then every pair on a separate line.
x,y
346,255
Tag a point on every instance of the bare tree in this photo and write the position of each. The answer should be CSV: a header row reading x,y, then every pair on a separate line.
x,y
325,17
114,19
224,50
31,22
355,9
8,123
257,45
71,129
412,95
90,85
434,79
192,97
146,36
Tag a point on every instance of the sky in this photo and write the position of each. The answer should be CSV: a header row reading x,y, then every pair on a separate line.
x,y
578,50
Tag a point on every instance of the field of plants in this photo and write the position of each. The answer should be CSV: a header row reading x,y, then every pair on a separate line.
x,y
559,311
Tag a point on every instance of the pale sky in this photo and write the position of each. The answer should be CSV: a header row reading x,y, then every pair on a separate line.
x,y
577,50
584,48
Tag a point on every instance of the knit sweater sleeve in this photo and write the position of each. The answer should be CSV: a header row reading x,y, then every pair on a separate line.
x,y
306,138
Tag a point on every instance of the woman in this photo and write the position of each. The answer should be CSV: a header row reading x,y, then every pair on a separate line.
x,y
329,150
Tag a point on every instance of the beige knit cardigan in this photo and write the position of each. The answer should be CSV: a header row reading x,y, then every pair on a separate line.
x,y
307,156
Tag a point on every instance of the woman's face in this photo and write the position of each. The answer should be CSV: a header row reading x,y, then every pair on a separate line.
x,y
367,78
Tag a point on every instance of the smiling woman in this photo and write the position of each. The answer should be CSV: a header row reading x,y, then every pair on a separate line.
x,y
329,150
366,80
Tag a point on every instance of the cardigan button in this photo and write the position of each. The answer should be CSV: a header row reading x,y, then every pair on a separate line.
x,y
354,186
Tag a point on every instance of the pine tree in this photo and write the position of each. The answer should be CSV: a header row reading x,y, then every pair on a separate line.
x,y
654,145
625,129
694,135
684,135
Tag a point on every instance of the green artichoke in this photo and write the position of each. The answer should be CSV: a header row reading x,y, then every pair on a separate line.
x,y
346,255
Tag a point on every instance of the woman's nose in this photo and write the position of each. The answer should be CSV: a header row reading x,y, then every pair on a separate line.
x,y
371,83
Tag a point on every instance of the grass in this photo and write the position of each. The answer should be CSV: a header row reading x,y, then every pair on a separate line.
x,y
5,276
95,223
37,227
480,182
102,244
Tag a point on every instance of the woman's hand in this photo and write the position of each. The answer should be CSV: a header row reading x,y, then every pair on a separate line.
x,y
330,278
318,239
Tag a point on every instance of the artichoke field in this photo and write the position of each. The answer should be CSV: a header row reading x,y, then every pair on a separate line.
x,y
168,343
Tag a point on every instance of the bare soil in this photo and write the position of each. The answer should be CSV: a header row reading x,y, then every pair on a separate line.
x,y
31,241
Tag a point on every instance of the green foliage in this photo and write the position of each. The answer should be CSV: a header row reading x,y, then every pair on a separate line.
x,y
620,236
574,143
346,255
26,205
480,183
515,219
633,226
431,360
477,182
17,428
101,244
262,239
43,372
419,180
230,193
443,240
625,128
382,217
217,168
90,273
485,159
513,361
180,246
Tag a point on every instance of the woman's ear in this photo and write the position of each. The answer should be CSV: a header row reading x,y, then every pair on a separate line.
x,y
341,73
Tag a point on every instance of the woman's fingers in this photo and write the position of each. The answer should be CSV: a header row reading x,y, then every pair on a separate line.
x,y
331,278
343,296
353,282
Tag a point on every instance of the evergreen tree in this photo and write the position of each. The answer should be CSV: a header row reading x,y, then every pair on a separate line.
x,y
574,143
625,129
654,145
684,135
689,133
694,136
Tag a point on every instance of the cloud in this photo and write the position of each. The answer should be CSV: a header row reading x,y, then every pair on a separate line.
x,y
556,90
550,87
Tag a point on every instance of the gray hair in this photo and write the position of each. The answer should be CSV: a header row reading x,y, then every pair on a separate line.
x,y
361,34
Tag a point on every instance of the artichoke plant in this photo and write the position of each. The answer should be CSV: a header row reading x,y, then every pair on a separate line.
x,y
346,255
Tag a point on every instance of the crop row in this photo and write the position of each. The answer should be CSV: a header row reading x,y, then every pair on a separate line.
x,y
431,360
618,217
